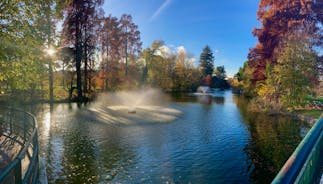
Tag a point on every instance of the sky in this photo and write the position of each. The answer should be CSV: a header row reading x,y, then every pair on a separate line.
x,y
225,25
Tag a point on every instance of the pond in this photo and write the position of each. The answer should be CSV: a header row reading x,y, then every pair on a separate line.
x,y
214,142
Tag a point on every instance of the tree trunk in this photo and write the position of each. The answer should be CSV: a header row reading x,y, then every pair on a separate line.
x,y
78,60
51,82
50,66
85,87
106,71
85,52
126,52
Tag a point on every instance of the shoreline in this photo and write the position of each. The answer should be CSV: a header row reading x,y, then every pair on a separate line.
x,y
308,119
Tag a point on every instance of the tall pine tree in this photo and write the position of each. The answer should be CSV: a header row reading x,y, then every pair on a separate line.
x,y
206,61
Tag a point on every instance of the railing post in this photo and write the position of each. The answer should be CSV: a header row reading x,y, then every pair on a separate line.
x,y
17,171
10,117
25,119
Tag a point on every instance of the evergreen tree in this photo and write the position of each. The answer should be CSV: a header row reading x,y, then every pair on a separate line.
x,y
220,72
206,61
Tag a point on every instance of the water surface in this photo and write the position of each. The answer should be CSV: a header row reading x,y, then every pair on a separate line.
x,y
216,141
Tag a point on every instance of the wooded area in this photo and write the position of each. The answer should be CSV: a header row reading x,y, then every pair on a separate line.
x,y
284,67
69,50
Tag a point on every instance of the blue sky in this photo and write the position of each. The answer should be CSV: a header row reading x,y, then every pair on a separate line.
x,y
225,25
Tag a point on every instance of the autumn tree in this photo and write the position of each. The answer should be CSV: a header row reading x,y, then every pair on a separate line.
x,y
279,19
159,64
90,39
130,39
79,30
120,43
24,32
170,70
48,20
110,50
186,77
293,77
242,80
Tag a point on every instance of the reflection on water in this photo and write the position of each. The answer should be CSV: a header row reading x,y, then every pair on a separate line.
x,y
219,142
273,139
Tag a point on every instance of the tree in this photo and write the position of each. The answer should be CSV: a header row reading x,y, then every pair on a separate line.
x,y
80,28
206,61
279,18
110,50
219,80
296,71
130,39
66,55
24,30
151,59
220,72
245,76
293,77
168,69
120,42
160,66
184,79
48,20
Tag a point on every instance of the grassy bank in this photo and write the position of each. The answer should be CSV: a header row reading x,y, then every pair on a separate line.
x,y
311,113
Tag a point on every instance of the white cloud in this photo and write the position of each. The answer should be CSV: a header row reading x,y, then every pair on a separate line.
x,y
171,50
164,51
160,9
181,49
191,60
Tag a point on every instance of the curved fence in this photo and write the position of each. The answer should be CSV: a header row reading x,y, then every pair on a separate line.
x,y
18,147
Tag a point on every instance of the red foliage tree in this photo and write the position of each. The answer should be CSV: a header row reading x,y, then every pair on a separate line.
x,y
110,51
120,42
79,30
130,39
279,18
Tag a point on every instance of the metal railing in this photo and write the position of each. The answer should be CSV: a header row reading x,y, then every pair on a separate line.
x,y
303,164
18,147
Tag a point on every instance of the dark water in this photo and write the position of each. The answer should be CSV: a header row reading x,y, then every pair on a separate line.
x,y
208,143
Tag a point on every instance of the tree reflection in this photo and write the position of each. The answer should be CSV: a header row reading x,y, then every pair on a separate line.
x,y
273,139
